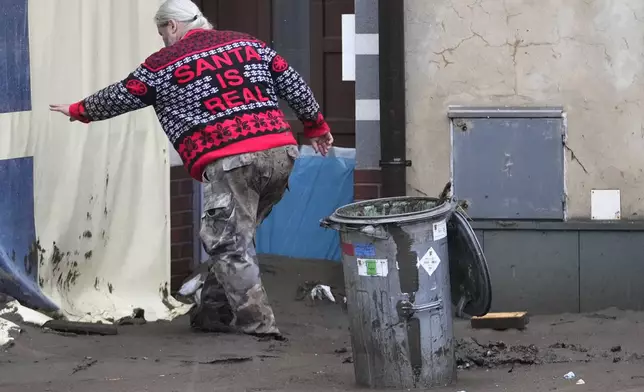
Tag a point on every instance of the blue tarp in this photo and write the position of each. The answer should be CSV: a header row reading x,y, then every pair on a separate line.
x,y
20,253
318,186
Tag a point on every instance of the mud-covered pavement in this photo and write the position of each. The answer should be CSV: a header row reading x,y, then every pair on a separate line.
x,y
604,349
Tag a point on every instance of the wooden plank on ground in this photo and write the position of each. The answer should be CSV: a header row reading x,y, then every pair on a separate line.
x,y
81,328
501,321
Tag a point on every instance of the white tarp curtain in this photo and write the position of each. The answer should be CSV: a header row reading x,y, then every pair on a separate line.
x,y
101,191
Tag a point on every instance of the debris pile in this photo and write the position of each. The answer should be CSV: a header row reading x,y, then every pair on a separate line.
x,y
469,352
315,290
8,331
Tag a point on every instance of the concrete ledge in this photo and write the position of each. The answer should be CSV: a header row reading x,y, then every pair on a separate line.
x,y
560,226
457,111
564,267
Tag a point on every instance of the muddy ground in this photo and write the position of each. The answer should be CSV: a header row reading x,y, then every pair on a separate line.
x,y
604,349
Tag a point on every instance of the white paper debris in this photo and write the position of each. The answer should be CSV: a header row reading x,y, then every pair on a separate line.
x,y
29,316
7,328
430,261
569,376
581,382
321,292
191,286
198,296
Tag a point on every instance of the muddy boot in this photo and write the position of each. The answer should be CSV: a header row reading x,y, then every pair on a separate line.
x,y
213,313
253,314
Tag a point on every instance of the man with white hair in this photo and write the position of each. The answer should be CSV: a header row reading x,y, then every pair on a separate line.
x,y
216,96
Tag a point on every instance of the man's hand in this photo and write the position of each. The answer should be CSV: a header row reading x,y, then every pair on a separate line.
x,y
61,108
322,144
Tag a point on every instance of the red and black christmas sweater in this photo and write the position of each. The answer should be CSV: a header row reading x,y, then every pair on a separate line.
x,y
215,94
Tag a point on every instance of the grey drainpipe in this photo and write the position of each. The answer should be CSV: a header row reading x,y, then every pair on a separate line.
x,y
393,150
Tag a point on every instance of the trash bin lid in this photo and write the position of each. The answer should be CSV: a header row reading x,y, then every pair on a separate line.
x,y
469,275
404,209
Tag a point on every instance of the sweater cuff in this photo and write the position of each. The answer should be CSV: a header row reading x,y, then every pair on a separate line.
x,y
77,112
316,128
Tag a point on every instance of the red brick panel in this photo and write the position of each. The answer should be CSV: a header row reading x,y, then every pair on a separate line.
x,y
182,231
181,203
367,184
181,235
181,251
367,177
180,219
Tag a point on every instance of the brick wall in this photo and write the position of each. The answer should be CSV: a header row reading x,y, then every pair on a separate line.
x,y
367,184
181,225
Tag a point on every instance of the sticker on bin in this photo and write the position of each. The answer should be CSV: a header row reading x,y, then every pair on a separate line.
x,y
347,249
373,267
430,261
440,230
365,251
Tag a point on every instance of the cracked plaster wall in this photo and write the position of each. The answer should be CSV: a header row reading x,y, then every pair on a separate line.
x,y
586,55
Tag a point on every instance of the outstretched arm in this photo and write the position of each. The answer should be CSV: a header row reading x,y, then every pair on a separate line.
x,y
293,89
135,92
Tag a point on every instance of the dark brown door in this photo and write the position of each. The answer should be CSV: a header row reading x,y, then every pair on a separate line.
x,y
336,97
249,16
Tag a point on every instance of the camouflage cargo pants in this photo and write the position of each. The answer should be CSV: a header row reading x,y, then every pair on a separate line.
x,y
239,192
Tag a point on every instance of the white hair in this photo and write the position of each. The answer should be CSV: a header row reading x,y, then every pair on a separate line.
x,y
183,11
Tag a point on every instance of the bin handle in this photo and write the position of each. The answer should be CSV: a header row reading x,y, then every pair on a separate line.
x,y
369,230
407,309
327,224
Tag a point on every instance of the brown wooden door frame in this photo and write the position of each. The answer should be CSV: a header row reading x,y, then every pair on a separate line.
x,y
336,96
317,41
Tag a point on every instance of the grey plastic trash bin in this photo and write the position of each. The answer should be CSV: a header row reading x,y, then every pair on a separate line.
x,y
399,295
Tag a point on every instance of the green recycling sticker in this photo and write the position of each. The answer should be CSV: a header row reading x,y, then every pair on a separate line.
x,y
373,267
